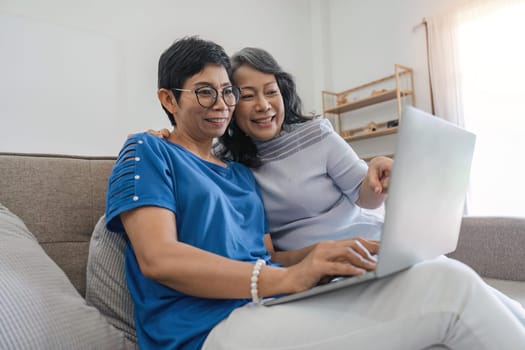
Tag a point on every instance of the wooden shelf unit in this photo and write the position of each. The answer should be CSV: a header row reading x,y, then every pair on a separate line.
x,y
337,103
367,101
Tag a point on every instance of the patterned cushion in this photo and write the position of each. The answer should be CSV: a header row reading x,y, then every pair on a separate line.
x,y
39,307
106,286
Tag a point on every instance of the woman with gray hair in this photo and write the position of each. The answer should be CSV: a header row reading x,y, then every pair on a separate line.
x,y
289,152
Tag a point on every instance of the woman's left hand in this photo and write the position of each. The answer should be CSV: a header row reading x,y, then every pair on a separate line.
x,y
375,185
378,174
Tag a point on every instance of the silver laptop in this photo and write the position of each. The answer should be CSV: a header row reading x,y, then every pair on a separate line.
x,y
425,200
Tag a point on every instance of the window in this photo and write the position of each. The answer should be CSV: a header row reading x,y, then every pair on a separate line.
x,y
492,66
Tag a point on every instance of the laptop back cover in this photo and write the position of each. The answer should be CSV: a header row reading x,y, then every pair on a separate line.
x,y
427,191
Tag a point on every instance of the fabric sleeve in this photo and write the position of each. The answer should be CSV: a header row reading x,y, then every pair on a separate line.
x,y
140,177
343,165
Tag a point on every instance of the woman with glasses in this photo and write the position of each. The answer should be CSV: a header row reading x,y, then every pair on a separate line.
x,y
198,261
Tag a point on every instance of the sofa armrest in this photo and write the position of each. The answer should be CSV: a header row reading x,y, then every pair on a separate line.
x,y
493,246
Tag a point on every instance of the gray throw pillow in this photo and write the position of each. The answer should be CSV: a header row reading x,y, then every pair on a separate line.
x,y
39,307
106,286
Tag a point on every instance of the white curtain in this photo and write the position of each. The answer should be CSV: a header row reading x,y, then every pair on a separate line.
x,y
476,59
444,66
444,53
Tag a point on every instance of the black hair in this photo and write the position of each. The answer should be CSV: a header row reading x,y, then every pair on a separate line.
x,y
236,144
185,58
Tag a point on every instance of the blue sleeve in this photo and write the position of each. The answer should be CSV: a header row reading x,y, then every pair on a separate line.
x,y
140,177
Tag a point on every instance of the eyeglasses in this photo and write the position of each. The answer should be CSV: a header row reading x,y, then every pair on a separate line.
x,y
207,95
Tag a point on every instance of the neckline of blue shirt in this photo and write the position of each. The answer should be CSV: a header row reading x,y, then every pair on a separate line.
x,y
219,168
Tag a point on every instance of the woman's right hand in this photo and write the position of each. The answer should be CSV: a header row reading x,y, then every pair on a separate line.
x,y
334,258
162,133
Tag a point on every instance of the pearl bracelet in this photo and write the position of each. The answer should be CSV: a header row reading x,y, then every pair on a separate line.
x,y
255,278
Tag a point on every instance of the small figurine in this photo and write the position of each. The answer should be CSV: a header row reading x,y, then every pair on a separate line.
x,y
341,100
371,127
378,92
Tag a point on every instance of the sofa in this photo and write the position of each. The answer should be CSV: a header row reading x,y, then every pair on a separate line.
x,y
49,208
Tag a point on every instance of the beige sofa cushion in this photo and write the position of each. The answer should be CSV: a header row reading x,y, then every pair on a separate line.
x,y
59,198
493,246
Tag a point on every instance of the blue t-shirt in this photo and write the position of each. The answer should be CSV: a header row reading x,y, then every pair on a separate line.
x,y
218,209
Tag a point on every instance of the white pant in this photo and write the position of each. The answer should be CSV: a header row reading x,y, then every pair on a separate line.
x,y
439,302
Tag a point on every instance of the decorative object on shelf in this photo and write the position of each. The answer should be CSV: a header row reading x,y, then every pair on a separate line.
x,y
396,87
392,123
370,130
371,127
378,92
341,100
346,133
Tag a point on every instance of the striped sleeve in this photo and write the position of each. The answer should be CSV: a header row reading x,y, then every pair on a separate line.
x,y
141,177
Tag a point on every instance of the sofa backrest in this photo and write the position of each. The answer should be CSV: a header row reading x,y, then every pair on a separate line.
x,y
60,199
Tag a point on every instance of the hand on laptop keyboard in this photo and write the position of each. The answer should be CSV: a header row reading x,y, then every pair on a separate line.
x,y
334,258
331,279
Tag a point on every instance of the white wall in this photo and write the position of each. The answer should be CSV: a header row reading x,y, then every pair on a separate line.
x,y
78,76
